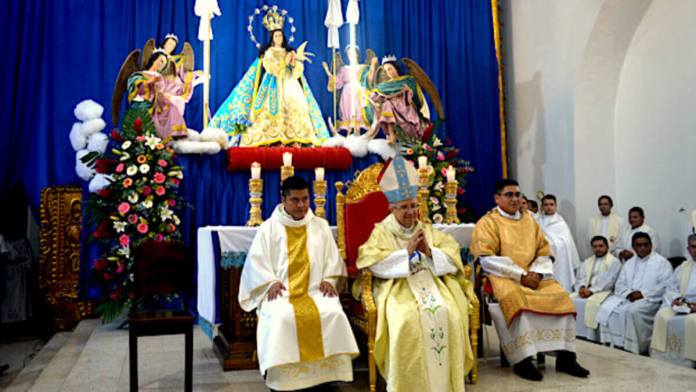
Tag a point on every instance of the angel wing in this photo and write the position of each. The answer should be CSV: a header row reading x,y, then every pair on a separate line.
x,y
380,75
147,52
189,57
369,55
130,65
426,84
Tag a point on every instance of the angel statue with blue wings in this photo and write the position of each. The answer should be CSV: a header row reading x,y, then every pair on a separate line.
x,y
273,103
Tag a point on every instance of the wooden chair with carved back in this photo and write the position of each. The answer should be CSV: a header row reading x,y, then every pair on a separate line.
x,y
161,269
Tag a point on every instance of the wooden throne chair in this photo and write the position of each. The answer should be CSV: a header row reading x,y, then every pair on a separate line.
x,y
357,211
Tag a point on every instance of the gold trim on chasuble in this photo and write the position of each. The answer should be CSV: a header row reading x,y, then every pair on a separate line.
x,y
310,341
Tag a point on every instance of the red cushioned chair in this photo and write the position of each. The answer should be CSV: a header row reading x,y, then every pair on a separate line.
x,y
357,211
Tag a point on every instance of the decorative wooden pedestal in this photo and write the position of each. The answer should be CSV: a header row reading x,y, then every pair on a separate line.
x,y
235,344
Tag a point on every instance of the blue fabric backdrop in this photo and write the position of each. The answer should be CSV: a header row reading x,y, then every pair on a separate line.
x,y
60,52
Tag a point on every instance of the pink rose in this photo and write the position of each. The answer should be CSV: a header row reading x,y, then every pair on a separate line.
x,y
171,202
120,268
142,228
162,163
175,181
440,156
160,190
147,190
120,167
132,219
159,178
123,208
124,240
159,237
140,138
443,171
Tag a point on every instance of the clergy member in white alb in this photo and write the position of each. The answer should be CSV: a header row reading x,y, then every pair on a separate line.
x,y
636,223
566,258
595,282
626,318
607,224
674,334
290,277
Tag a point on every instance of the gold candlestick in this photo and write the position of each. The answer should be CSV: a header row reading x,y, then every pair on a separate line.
x,y
286,171
255,199
451,217
320,198
424,193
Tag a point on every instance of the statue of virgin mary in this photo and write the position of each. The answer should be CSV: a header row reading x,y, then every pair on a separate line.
x,y
273,103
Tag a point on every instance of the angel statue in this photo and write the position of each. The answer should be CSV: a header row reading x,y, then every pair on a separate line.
x,y
153,81
183,59
273,96
399,103
352,83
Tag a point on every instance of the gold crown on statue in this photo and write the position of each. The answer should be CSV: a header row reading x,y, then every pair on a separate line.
x,y
273,20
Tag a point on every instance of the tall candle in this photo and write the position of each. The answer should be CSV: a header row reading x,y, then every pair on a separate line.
x,y
287,159
319,174
451,174
422,162
255,170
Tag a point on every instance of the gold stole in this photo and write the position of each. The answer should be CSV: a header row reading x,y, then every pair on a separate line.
x,y
307,322
612,227
659,338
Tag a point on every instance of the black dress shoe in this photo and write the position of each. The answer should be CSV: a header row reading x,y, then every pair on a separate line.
x,y
567,363
526,370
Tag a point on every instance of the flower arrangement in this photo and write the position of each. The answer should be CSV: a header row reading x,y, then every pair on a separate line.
x,y
440,154
139,204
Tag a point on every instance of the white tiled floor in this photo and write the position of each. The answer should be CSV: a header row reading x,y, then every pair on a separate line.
x,y
103,366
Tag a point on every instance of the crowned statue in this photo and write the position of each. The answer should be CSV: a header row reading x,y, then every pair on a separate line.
x,y
160,82
398,101
272,103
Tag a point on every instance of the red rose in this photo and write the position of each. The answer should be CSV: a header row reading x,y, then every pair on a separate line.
x,y
99,264
147,190
115,295
461,191
116,135
105,165
104,230
104,193
138,124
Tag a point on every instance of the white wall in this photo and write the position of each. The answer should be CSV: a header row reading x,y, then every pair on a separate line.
x,y
599,97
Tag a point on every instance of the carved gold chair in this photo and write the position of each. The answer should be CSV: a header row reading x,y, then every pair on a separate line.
x,y
357,211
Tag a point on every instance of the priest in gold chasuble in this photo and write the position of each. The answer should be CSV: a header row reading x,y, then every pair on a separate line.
x,y
421,294
535,313
290,277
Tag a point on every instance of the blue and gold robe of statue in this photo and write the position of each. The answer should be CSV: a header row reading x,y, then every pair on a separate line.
x,y
272,104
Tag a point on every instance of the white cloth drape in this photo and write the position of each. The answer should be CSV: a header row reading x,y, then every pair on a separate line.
x,y
333,20
202,9
566,258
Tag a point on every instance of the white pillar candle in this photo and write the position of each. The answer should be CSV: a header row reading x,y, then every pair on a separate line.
x,y
287,159
255,170
319,174
422,162
451,174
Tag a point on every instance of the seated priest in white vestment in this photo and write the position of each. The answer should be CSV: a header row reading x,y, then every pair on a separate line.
x,y
595,282
674,334
290,276
636,224
626,317
565,253
607,224
422,342
533,314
